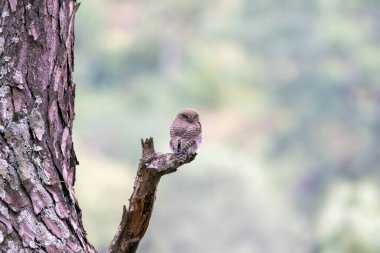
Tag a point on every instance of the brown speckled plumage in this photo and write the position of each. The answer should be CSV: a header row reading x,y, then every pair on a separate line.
x,y
186,133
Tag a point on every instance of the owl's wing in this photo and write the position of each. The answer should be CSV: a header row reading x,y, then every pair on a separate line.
x,y
175,144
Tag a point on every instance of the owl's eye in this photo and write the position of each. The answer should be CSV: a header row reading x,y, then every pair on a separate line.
x,y
185,116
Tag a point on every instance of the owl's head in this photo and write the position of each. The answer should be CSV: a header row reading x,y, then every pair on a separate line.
x,y
189,115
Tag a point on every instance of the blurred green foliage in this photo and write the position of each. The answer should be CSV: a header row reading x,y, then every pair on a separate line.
x,y
289,97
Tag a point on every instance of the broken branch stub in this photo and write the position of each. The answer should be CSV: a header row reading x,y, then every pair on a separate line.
x,y
134,223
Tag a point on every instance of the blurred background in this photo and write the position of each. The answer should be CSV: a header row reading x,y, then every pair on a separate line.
x,y
289,98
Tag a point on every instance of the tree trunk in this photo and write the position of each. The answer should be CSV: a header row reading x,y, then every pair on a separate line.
x,y
38,208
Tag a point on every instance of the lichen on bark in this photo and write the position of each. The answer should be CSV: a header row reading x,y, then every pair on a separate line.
x,y
38,208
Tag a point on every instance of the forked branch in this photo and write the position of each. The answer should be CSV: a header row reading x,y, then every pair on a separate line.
x,y
153,165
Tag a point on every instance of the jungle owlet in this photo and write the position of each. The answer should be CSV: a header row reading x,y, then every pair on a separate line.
x,y
185,133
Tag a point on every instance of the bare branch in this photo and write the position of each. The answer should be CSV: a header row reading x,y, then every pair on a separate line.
x,y
153,165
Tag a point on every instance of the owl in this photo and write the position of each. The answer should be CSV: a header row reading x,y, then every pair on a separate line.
x,y
185,133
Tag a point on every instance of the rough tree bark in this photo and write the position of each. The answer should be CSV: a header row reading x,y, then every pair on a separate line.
x,y
38,208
